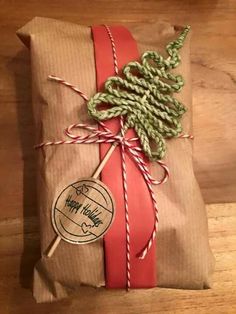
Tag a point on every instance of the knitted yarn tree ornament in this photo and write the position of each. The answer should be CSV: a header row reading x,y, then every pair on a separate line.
x,y
145,96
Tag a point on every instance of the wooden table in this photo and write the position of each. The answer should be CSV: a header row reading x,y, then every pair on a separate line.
x,y
214,22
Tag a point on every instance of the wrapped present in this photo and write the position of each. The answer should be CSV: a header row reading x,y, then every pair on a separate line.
x,y
143,224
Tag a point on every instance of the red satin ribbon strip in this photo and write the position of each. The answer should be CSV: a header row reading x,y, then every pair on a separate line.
x,y
142,272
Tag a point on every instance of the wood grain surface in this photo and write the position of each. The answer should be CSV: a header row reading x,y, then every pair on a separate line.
x,y
213,68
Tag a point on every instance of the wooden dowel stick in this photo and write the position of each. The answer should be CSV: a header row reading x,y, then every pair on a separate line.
x,y
95,176
54,246
104,161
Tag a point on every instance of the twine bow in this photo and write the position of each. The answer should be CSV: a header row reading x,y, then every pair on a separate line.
x,y
106,136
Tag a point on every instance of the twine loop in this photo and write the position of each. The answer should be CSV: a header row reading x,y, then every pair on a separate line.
x,y
107,136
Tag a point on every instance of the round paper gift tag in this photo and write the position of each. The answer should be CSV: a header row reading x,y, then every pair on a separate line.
x,y
83,211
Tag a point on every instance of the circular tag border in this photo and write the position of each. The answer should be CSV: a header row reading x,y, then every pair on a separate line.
x,y
97,181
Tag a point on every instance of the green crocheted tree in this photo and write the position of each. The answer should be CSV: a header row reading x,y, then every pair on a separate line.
x,y
144,95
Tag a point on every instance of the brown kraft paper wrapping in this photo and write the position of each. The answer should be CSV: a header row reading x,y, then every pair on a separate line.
x,y
184,259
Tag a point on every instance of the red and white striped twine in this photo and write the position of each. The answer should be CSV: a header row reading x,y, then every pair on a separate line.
x,y
61,81
127,144
113,46
127,226
106,136
190,136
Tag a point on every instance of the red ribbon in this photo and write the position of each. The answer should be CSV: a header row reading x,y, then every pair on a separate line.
x,y
141,218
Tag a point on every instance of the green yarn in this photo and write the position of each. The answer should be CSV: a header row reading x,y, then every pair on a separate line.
x,y
144,95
